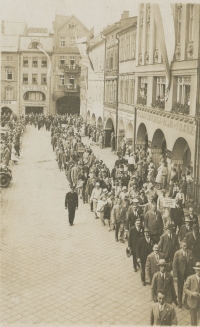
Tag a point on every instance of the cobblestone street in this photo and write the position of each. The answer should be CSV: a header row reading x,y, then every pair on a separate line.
x,y
51,272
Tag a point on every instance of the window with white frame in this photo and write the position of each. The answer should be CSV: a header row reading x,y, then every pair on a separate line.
x,y
44,79
191,23
62,79
62,60
44,62
9,74
34,78
25,61
144,87
25,78
9,93
72,41
160,88
179,18
72,60
35,62
62,41
184,87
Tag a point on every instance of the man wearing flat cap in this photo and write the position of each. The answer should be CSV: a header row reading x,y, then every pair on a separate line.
x,y
163,281
192,290
193,239
182,267
144,248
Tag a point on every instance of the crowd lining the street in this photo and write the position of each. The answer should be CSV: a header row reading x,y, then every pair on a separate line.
x,y
164,242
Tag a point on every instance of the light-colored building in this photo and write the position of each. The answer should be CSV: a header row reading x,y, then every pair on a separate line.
x,y
168,126
95,91
34,84
66,63
126,85
9,74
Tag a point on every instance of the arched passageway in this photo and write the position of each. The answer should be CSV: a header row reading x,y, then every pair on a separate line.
x,y
142,137
158,147
181,154
129,134
109,128
93,120
99,122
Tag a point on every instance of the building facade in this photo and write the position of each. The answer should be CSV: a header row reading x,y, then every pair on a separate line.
x,y
126,85
34,84
9,74
95,91
168,126
66,63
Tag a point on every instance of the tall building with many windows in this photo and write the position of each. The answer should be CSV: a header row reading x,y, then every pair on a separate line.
x,y
66,63
167,124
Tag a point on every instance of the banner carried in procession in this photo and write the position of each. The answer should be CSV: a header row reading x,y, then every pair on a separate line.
x,y
168,203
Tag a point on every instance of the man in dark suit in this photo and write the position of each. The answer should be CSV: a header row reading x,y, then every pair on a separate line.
x,y
144,248
192,290
71,203
163,280
193,239
151,263
133,214
186,228
182,268
154,222
162,313
193,216
136,232
169,245
177,214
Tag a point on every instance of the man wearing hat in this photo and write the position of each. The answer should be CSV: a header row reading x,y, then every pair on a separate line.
x,y
151,263
182,267
193,239
193,216
154,222
133,214
186,228
169,245
136,232
71,203
144,248
192,290
163,281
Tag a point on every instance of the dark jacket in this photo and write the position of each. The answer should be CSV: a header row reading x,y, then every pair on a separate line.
x,y
183,268
169,246
167,286
71,200
183,232
154,222
134,237
194,245
143,249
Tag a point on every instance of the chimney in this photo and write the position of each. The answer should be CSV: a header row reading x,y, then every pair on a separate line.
x,y
125,15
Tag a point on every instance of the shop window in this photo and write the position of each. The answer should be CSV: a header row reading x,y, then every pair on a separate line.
x,y
62,60
9,93
72,41
25,78
184,87
62,79
44,62
35,62
9,74
25,61
34,78
62,41
44,79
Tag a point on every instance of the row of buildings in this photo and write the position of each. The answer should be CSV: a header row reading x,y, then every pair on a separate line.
x,y
40,70
123,88
126,90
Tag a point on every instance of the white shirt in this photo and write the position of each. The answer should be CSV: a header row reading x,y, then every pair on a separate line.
x,y
161,307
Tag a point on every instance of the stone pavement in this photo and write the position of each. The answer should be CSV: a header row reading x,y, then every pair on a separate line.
x,y
52,273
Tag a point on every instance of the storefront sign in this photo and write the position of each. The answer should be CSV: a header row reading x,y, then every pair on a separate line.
x,y
8,102
168,122
34,88
168,203
35,104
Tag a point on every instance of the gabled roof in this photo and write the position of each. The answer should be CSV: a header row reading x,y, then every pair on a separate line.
x,y
68,18
94,42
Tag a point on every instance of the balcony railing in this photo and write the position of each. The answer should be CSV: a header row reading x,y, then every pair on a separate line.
x,y
71,88
158,104
142,100
72,68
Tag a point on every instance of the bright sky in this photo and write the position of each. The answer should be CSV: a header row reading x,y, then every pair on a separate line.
x,y
41,13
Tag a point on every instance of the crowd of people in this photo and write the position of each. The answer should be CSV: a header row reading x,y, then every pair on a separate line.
x,y
163,241
11,140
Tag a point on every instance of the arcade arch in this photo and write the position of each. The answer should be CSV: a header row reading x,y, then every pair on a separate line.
x,y
181,153
142,137
158,147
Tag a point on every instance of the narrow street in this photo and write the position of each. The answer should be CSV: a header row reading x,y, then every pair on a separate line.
x,y
51,272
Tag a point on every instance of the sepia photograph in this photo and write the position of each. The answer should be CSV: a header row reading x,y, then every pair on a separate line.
x,y
100,163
